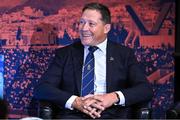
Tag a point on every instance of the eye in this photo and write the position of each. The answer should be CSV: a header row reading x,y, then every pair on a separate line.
x,y
92,24
82,22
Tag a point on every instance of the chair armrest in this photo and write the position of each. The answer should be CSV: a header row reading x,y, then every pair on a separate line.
x,y
45,110
142,111
174,112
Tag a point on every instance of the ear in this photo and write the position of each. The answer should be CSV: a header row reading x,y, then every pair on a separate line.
x,y
107,28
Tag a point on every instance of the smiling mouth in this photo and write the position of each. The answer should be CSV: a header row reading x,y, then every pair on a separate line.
x,y
86,34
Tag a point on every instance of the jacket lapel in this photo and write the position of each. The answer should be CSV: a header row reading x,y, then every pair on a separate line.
x,y
110,52
77,54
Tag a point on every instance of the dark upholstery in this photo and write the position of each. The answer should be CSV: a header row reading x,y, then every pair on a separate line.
x,y
174,112
48,111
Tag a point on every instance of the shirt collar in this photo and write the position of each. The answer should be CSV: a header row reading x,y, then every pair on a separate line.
x,y
102,46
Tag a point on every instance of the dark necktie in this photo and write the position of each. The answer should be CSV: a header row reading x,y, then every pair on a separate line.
x,y
88,73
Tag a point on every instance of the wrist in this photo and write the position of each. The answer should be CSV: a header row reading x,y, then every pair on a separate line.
x,y
70,101
117,98
75,104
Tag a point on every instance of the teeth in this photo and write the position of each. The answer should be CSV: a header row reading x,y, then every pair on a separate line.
x,y
86,35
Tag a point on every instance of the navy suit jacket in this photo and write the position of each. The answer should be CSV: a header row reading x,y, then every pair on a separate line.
x,y
63,77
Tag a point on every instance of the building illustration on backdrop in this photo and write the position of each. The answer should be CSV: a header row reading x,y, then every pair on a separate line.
x,y
44,34
28,22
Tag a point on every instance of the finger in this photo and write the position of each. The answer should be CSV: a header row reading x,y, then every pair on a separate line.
x,y
85,111
87,96
94,113
89,108
89,112
88,102
99,111
98,106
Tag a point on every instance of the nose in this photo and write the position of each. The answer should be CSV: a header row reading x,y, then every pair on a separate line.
x,y
85,26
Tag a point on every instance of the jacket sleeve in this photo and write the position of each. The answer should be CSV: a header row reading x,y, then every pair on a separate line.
x,y
49,86
140,89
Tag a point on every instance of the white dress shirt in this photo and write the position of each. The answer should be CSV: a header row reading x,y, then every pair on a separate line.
x,y
100,74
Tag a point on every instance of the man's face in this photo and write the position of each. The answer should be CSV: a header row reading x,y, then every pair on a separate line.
x,y
92,29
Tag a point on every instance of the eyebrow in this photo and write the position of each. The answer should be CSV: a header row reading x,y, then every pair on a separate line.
x,y
88,20
92,20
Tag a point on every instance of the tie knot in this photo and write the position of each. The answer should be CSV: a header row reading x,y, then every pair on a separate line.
x,y
92,49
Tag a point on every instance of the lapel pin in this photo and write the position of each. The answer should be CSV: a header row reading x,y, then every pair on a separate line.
x,y
111,59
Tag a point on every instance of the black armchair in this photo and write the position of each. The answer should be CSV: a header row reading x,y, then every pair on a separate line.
x,y
49,111
174,112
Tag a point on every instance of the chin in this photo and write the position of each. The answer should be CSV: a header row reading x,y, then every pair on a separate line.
x,y
86,42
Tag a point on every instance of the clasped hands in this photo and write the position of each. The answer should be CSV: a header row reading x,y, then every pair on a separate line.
x,y
93,105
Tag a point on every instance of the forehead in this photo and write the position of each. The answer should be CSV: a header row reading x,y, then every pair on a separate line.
x,y
91,14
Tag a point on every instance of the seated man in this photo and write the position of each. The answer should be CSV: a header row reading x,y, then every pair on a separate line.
x,y
94,78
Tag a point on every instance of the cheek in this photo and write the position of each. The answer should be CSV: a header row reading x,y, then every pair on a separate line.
x,y
79,27
95,31
98,33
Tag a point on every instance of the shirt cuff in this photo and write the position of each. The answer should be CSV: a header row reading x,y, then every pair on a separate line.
x,y
70,102
122,98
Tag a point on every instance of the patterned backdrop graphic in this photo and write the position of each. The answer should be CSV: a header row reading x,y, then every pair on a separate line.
x,y
31,30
